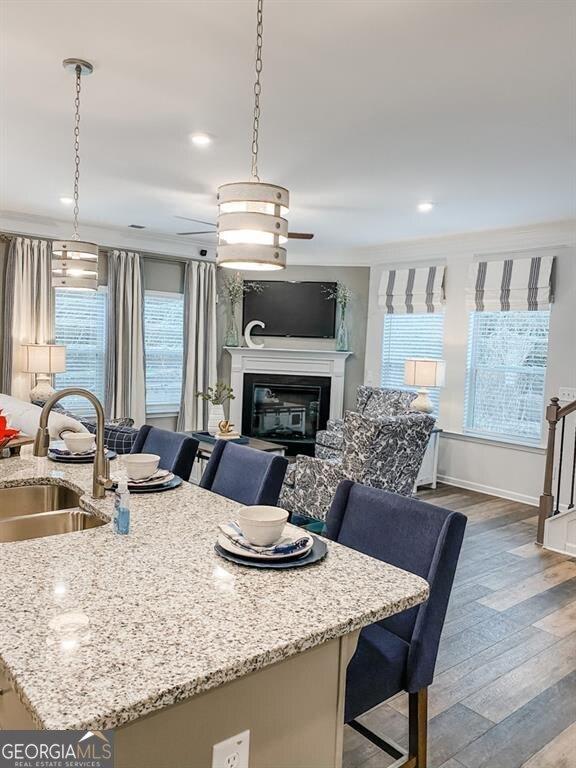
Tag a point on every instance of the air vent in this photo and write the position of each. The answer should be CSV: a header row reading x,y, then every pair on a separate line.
x,y
136,226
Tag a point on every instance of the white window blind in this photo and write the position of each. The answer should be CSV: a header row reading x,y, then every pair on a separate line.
x,y
507,353
164,341
80,324
410,336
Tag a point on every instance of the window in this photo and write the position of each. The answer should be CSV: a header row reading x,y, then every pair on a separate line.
x,y
164,343
80,324
506,370
410,336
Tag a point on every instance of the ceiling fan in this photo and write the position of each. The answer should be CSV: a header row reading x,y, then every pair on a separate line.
x,y
291,235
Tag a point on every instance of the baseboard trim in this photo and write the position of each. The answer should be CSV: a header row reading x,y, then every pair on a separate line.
x,y
490,490
568,551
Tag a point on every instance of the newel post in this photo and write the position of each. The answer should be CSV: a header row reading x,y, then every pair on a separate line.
x,y
547,499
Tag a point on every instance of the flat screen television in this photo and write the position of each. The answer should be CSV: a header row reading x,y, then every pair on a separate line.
x,y
300,309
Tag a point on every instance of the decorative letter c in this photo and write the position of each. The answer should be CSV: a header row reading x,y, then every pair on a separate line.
x,y
248,338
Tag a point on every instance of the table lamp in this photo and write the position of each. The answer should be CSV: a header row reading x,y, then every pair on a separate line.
x,y
422,373
43,360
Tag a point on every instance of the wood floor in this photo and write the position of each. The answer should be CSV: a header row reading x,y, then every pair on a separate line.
x,y
504,695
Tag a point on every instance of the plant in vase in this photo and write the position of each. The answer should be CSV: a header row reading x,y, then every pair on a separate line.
x,y
216,396
342,295
233,291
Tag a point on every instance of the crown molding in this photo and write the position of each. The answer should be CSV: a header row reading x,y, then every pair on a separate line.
x,y
439,249
108,237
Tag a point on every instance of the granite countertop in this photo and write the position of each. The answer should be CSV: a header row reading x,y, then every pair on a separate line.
x,y
100,629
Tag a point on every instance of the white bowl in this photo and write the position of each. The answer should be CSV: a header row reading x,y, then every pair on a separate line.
x,y
262,525
78,442
140,465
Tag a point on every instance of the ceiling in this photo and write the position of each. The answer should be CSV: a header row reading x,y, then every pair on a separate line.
x,y
367,109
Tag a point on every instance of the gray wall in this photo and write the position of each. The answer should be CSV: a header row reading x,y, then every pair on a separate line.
x,y
356,278
163,274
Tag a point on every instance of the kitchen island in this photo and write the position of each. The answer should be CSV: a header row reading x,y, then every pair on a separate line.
x,y
155,636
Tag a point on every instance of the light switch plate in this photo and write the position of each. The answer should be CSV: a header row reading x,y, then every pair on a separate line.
x,y
233,752
567,394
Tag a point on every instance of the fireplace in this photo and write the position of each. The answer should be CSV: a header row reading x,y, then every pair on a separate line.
x,y
289,368
285,409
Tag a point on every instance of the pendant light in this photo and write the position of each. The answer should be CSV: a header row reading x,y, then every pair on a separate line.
x,y
75,262
252,227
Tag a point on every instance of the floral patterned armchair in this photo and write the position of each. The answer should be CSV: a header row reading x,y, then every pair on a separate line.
x,y
384,453
373,402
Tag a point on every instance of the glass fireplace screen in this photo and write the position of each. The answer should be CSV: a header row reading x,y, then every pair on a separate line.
x,y
289,412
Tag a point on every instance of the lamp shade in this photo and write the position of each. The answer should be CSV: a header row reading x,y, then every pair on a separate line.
x,y
43,358
421,372
251,226
74,265
75,249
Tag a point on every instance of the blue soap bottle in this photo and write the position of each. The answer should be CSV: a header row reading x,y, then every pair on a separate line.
x,y
122,507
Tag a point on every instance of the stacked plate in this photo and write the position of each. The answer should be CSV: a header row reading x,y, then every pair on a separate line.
x,y
59,452
295,549
161,480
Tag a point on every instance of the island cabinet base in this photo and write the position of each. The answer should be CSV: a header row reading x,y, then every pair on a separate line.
x,y
13,714
294,711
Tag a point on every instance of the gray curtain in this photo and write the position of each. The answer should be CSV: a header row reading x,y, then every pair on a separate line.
x,y
200,345
27,308
125,383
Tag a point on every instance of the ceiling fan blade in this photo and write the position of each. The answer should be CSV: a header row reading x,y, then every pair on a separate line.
x,y
300,235
204,232
198,221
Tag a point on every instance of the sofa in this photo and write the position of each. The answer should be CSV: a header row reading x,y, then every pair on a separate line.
x,y
383,453
119,434
372,402
25,416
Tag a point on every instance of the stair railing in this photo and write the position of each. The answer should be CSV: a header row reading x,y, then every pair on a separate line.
x,y
550,502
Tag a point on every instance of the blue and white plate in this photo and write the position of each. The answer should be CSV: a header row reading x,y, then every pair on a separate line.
x,y
78,458
236,549
318,552
155,487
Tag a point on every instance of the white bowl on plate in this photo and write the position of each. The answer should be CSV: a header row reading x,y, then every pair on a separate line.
x,y
262,525
140,465
79,442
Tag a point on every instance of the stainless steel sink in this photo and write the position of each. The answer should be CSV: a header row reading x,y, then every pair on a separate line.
x,y
34,499
35,511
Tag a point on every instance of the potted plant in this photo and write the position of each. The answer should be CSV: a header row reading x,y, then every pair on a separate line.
x,y
216,396
343,295
233,291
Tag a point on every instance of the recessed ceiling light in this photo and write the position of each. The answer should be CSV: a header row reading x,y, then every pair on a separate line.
x,y
66,200
425,207
200,139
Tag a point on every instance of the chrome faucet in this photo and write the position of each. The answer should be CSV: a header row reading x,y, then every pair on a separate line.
x,y
101,478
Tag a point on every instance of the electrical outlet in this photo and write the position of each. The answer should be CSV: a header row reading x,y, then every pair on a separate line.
x,y
233,752
567,394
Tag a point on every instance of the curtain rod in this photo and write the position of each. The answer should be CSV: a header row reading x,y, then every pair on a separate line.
x,y
7,236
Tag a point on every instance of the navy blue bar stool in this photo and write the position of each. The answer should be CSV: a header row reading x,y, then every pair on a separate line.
x,y
177,451
398,653
244,474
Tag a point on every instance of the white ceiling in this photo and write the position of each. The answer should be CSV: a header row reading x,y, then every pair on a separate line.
x,y
368,108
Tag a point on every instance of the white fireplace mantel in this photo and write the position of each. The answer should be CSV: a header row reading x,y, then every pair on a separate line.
x,y
292,362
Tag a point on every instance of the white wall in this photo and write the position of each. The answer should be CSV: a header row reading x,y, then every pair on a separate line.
x,y
511,471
